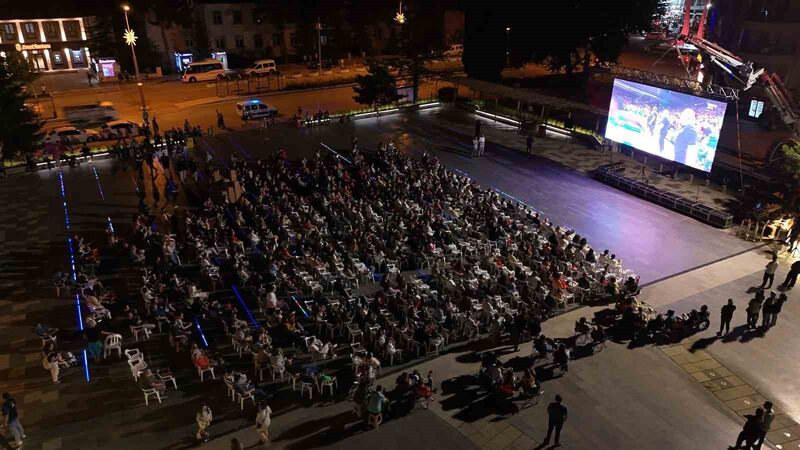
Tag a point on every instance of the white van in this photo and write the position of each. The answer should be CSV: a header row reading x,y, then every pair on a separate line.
x,y
262,66
255,108
95,112
202,71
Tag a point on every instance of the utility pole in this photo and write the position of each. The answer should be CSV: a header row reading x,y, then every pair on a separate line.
x,y
319,40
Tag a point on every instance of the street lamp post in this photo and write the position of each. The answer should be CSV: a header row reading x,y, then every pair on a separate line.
x,y
130,39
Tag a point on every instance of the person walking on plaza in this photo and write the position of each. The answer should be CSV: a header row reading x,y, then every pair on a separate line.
x,y
89,77
475,146
155,127
764,425
263,420
726,315
769,272
220,121
481,145
753,309
557,415
11,421
791,277
750,431
529,144
204,418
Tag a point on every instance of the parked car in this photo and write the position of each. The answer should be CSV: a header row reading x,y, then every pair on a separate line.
x,y
118,129
262,66
255,108
455,51
206,70
314,64
71,135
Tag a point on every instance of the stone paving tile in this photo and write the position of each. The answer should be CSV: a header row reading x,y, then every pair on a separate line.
x,y
746,402
789,445
784,435
734,392
523,442
701,365
52,444
674,350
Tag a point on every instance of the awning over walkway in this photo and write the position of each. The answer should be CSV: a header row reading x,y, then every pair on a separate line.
x,y
526,96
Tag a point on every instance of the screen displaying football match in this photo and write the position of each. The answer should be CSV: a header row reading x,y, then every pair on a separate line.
x,y
675,126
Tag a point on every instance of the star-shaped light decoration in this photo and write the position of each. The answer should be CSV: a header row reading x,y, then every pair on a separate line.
x,y
400,17
130,37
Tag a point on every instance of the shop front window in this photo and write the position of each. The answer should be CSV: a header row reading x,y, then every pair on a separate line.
x,y
77,57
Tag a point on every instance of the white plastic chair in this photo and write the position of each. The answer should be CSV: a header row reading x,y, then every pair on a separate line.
x,y
136,330
138,368
307,386
133,353
249,395
112,342
147,393
202,370
330,383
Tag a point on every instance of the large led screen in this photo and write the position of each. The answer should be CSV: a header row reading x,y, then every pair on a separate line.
x,y
675,126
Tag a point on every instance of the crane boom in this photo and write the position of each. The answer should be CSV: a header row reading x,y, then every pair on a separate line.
x,y
740,69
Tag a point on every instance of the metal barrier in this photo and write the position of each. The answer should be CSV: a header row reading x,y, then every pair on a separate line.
x,y
243,84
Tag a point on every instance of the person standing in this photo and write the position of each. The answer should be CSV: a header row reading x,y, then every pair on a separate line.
x,y
89,77
753,309
220,121
764,425
529,144
481,145
777,309
11,420
557,415
204,418
750,431
769,272
769,310
791,277
726,315
475,146
263,421
155,127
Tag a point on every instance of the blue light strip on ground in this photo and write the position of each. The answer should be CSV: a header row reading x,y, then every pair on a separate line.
x,y
214,155
103,196
244,306
241,149
335,153
73,272
97,179
303,310
202,335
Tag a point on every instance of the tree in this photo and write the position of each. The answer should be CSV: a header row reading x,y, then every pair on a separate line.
x,y
103,41
20,129
377,88
566,35
484,34
201,48
165,14
790,172
420,41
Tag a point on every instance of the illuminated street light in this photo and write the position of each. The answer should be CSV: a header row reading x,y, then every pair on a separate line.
x,y
400,17
130,39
